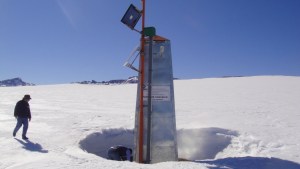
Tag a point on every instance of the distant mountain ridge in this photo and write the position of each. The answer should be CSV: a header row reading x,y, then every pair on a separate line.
x,y
19,82
130,80
14,82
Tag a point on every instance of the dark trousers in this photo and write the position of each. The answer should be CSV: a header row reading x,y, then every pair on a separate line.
x,y
21,121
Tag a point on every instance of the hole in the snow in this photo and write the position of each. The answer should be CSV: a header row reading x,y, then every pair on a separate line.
x,y
193,144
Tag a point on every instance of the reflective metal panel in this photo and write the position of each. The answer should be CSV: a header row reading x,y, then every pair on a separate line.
x,y
163,139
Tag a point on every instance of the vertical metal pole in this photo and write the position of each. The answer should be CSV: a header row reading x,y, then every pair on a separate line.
x,y
142,74
149,106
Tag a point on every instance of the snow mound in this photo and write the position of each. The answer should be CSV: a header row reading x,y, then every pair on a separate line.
x,y
193,144
203,143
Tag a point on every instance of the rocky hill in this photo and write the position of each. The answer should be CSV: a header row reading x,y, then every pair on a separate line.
x,y
14,82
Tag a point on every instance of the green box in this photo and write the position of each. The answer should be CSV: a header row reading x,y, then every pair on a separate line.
x,y
149,31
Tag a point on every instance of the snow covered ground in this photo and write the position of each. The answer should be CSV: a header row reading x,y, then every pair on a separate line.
x,y
245,122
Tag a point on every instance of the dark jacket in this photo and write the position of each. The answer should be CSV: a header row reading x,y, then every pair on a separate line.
x,y
122,152
22,109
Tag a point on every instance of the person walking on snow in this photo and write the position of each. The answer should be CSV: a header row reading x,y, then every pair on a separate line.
x,y
23,115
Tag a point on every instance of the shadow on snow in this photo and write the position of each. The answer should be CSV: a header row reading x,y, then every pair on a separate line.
x,y
251,163
98,143
28,145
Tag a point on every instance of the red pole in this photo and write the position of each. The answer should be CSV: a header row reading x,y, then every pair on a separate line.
x,y
142,67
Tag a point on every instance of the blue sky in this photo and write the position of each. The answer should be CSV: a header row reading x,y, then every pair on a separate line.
x,y
62,41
